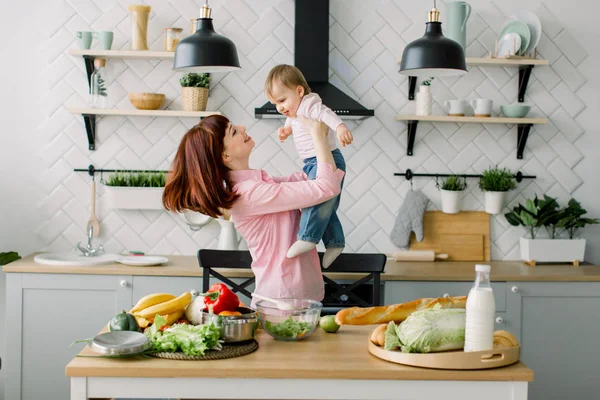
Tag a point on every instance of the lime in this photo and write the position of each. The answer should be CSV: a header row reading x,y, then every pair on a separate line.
x,y
328,324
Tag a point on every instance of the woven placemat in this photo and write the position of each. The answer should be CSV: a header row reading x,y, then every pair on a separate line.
x,y
230,350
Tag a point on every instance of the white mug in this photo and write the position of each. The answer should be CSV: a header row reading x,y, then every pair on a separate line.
x,y
455,107
482,107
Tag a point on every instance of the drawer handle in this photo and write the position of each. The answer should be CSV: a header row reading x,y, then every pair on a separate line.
x,y
123,283
499,320
514,289
194,293
446,295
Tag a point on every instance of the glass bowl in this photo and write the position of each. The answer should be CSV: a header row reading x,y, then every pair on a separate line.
x,y
295,324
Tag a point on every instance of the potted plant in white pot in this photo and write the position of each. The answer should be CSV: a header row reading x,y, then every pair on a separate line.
x,y
547,213
495,182
136,190
424,98
194,91
451,192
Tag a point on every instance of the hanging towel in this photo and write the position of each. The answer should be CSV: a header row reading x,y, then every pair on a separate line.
x,y
409,219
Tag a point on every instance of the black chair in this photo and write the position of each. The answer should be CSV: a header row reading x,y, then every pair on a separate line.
x,y
337,295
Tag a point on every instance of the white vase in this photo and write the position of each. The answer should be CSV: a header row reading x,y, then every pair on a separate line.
x,y
451,200
424,101
552,250
134,198
494,202
228,238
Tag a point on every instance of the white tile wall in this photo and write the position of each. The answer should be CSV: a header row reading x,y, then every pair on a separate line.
x,y
366,41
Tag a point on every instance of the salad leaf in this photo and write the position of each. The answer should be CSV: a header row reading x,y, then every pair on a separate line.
x,y
391,337
192,340
290,328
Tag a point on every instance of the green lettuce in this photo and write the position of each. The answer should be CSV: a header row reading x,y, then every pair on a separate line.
x,y
391,337
290,328
432,330
192,340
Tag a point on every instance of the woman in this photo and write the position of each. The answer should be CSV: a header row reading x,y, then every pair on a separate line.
x,y
211,173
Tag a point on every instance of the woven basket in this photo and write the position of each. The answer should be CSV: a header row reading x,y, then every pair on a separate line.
x,y
194,98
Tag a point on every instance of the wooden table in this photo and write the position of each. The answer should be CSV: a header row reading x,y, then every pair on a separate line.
x,y
322,366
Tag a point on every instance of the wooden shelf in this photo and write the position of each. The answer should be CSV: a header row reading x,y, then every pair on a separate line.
x,y
142,113
505,62
523,126
89,117
477,120
126,54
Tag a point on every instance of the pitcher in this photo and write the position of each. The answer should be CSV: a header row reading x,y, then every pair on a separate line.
x,y
457,14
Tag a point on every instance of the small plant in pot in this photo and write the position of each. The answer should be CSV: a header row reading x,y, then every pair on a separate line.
x,y
136,190
194,91
547,213
424,98
495,182
451,190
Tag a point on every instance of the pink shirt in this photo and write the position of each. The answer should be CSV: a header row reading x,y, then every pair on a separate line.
x,y
312,107
267,215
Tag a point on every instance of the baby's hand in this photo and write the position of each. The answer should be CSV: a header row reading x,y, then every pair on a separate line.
x,y
284,133
344,135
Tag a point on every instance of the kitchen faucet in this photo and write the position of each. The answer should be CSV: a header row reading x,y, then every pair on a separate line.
x,y
89,250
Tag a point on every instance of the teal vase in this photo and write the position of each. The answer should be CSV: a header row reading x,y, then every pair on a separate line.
x,y
457,15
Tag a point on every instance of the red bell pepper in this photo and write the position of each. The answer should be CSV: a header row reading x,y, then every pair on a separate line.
x,y
220,298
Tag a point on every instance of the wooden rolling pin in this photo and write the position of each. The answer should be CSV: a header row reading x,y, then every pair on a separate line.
x,y
417,255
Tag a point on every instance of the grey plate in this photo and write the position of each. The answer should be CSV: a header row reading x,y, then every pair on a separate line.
x,y
120,343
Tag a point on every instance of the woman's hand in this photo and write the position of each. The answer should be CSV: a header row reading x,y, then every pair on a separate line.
x,y
315,127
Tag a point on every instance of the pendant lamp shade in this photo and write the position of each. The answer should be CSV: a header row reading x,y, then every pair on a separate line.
x,y
433,55
205,50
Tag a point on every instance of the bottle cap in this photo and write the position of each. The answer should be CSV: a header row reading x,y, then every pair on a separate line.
x,y
482,268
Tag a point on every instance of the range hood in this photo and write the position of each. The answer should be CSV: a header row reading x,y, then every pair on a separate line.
x,y
311,56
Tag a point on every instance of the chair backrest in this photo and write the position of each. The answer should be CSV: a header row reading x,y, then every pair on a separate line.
x,y
337,295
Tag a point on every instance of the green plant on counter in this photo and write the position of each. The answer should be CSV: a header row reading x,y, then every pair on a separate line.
x,y
535,214
138,179
427,82
497,180
454,184
8,257
571,218
192,79
546,212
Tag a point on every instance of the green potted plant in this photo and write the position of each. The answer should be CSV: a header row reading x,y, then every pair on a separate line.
x,y
194,91
424,98
136,190
561,225
495,182
451,192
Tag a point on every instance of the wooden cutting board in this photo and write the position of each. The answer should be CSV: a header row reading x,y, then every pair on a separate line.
x,y
464,236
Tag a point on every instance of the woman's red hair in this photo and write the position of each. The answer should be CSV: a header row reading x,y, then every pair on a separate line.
x,y
198,179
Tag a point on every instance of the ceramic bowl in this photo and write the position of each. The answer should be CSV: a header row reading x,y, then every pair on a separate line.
x,y
515,110
147,101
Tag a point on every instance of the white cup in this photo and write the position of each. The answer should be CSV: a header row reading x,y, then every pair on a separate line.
x,y
455,107
482,107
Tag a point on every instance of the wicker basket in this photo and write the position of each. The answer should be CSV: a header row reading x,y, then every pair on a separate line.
x,y
194,98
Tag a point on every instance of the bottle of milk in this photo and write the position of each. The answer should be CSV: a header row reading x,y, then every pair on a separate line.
x,y
481,307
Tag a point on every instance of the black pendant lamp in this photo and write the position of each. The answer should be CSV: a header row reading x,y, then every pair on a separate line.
x,y
433,54
205,50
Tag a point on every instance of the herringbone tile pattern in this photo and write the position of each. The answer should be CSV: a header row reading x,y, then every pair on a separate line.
x,y
366,41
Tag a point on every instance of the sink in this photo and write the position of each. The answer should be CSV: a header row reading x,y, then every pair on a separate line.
x,y
74,259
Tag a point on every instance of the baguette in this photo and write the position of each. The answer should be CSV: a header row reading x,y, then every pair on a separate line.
x,y
378,335
396,312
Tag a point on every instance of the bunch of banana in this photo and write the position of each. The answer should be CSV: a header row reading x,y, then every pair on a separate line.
x,y
167,305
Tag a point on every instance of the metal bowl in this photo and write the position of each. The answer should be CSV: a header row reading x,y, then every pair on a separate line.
x,y
234,328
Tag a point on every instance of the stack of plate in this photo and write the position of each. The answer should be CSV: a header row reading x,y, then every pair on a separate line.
x,y
520,34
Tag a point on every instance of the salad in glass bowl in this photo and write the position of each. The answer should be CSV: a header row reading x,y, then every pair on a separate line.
x,y
295,324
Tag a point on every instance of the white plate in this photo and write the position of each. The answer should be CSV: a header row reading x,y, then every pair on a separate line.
x,y
534,24
143,261
507,45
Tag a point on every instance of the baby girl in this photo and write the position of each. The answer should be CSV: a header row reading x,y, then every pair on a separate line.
x,y
288,90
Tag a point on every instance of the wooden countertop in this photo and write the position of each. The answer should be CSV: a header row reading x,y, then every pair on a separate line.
x,y
343,355
394,271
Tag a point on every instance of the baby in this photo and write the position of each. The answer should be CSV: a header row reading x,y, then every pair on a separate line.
x,y
288,90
